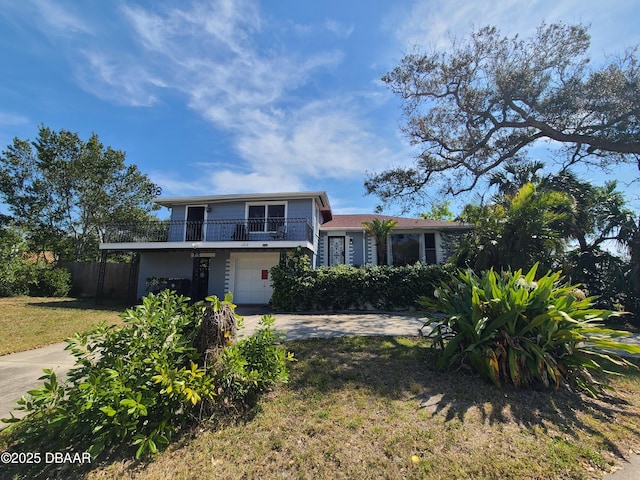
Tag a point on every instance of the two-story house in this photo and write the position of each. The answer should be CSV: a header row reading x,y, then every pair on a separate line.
x,y
228,243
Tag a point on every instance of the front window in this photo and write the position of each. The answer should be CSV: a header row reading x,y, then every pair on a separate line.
x,y
430,248
266,218
405,248
256,218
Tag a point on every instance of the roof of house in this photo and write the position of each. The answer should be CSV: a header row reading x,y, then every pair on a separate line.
x,y
354,222
169,201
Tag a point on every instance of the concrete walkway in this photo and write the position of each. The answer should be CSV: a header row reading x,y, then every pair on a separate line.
x,y
19,372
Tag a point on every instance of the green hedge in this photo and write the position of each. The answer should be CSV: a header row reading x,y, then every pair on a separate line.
x,y
299,288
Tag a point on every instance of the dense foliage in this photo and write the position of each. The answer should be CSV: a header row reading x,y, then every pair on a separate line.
x,y
297,287
517,330
22,275
516,231
134,387
62,190
560,222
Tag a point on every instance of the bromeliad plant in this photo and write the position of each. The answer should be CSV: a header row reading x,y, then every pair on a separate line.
x,y
516,330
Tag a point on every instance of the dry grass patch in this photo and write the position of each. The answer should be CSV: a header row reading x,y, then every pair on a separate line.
x,y
375,408
32,322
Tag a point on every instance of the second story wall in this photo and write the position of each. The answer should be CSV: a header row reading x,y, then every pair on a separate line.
x,y
296,208
244,220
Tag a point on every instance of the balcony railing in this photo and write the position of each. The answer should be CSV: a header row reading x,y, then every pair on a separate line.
x,y
239,230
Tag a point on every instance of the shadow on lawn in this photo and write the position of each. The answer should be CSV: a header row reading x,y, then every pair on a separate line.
x,y
110,305
402,369
399,368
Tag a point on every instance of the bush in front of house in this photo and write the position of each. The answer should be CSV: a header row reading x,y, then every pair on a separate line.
x,y
49,281
517,330
19,276
135,387
297,287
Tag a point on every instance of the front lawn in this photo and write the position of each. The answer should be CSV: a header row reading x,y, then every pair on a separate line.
x,y
365,407
32,322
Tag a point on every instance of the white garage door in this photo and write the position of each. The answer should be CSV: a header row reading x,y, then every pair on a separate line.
x,y
253,277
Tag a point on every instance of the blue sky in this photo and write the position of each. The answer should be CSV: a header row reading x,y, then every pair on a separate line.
x,y
234,96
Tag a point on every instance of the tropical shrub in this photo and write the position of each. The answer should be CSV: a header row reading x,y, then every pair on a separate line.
x,y
516,230
296,287
136,386
250,366
49,281
612,279
19,276
516,330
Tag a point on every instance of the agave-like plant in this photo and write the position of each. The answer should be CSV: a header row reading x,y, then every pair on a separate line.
x,y
514,329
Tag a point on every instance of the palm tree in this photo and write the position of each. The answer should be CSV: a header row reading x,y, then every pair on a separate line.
x,y
517,231
535,227
380,229
515,175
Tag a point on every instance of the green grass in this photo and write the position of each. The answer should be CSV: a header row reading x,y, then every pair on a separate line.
x,y
375,408
369,407
32,322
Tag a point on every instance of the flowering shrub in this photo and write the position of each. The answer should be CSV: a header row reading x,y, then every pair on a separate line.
x,y
514,329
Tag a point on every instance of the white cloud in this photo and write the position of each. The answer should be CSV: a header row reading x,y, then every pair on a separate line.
x,y
322,140
229,67
232,181
432,24
117,79
10,119
59,20
338,29
249,91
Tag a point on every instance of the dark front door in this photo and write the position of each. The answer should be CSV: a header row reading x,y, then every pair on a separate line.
x,y
195,222
200,287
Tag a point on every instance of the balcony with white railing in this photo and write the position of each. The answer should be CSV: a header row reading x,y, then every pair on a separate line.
x,y
272,232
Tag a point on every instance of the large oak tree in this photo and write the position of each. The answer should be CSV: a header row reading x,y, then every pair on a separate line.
x,y
62,190
482,104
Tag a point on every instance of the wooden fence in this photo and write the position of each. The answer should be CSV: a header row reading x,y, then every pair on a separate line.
x,y
84,279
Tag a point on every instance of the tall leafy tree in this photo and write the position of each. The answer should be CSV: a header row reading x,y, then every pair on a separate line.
x,y
482,104
596,214
600,213
62,191
439,211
